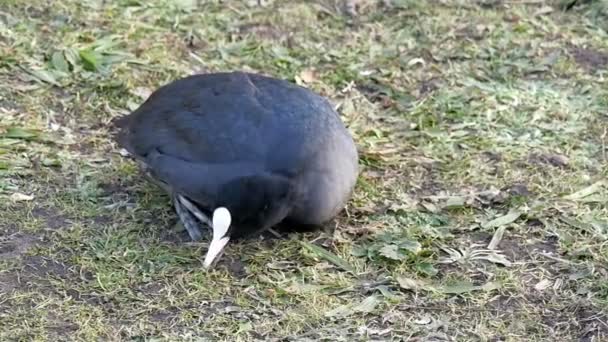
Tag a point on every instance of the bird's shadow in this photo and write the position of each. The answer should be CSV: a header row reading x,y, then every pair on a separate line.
x,y
177,233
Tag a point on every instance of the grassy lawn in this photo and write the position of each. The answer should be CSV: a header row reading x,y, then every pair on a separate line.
x,y
480,213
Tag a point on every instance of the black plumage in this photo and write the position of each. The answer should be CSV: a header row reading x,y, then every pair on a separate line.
x,y
265,149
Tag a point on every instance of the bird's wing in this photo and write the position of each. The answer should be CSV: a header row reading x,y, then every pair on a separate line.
x,y
197,180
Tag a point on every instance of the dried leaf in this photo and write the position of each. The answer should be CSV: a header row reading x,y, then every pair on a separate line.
x,y
430,207
466,287
542,285
308,76
327,255
300,288
498,234
413,284
185,5
591,189
19,197
454,202
141,92
106,43
342,310
384,290
411,246
415,61
51,162
496,258
577,224
367,305
44,76
359,251
59,63
72,57
391,252
454,255
543,10
580,274
427,268
8,142
490,286
19,133
245,327
459,288
502,220
424,320
595,198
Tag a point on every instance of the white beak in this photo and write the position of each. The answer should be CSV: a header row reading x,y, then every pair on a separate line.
x,y
221,222
215,250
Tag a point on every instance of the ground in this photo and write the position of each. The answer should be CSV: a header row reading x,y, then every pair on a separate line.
x,y
479,215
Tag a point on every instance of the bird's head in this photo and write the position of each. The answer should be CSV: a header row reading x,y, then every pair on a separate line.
x,y
249,205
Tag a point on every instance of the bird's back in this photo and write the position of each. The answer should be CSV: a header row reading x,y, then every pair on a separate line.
x,y
232,117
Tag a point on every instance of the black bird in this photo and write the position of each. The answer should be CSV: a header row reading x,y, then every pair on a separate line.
x,y
247,150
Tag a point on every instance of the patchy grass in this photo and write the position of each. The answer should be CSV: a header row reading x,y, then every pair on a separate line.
x,y
480,213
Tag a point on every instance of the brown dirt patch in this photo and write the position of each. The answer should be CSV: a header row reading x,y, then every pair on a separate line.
x,y
34,271
15,245
375,92
429,86
553,159
518,247
39,267
53,218
261,30
590,59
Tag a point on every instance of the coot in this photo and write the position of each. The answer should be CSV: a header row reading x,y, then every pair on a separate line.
x,y
241,152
